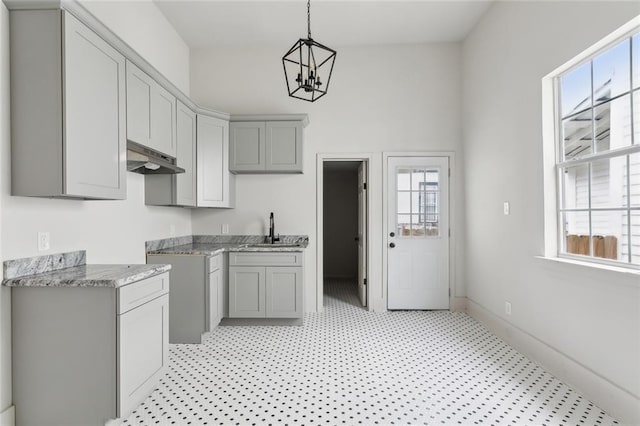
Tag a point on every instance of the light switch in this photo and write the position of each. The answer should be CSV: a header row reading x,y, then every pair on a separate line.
x,y
505,207
225,228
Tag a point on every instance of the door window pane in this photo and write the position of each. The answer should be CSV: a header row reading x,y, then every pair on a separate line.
x,y
404,225
611,72
418,205
404,202
404,179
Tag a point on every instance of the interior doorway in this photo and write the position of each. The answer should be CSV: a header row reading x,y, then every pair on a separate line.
x,y
345,242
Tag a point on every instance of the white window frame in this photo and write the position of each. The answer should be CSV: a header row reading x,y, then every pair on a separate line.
x,y
553,156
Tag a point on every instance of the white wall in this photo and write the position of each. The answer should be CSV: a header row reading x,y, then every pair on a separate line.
x,y
141,25
392,98
590,317
110,231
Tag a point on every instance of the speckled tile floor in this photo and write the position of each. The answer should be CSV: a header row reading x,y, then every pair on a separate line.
x,y
350,366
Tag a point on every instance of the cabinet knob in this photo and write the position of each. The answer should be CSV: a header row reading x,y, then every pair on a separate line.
x,y
392,245
393,234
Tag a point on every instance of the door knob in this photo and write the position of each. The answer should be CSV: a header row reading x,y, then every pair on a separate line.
x,y
392,245
393,234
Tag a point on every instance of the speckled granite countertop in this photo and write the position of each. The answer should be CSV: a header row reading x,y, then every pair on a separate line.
x,y
213,245
70,270
89,276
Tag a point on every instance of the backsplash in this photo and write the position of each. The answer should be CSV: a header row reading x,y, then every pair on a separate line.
x,y
40,264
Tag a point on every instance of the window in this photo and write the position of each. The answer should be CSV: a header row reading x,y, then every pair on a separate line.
x,y
417,209
598,155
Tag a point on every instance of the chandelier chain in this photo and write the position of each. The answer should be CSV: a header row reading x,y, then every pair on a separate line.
x,y
309,18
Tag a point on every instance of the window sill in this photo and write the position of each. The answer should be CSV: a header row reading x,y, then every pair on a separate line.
x,y
593,266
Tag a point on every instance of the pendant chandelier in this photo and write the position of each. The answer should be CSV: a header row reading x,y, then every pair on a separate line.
x,y
308,66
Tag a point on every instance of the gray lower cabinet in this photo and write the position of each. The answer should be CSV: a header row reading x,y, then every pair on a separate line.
x,y
197,294
68,112
266,147
266,285
84,355
178,189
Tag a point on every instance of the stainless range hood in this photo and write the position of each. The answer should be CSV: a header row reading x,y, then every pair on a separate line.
x,y
141,159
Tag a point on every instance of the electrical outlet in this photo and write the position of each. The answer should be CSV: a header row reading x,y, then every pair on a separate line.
x,y
225,228
44,241
507,308
506,208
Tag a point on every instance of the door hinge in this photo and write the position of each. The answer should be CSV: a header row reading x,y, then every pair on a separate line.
x,y
449,231
449,292
365,281
364,185
449,172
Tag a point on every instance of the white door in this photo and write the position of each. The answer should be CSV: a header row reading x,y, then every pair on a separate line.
x,y
418,233
362,233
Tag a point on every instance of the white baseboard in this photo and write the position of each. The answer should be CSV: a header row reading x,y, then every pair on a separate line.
x,y
458,304
8,417
616,401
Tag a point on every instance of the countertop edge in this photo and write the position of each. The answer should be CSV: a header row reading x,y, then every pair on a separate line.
x,y
43,280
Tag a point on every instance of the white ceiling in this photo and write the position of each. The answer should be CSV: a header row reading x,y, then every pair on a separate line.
x,y
208,23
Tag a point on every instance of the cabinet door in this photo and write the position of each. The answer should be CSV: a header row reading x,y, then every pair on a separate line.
x,y
247,292
186,156
163,120
284,146
143,352
215,186
248,146
94,112
139,88
284,292
213,293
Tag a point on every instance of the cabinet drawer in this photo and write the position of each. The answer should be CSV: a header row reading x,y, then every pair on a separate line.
x,y
135,294
215,263
265,259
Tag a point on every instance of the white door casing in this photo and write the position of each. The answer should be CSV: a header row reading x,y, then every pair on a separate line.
x,y
362,233
418,233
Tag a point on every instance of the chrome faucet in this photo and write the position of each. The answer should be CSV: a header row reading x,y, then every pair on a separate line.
x,y
272,233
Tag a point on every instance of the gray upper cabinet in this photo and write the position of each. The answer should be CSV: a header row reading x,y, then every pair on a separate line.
x,y
248,147
68,111
271,146
284,146
215,184
151,112
178,189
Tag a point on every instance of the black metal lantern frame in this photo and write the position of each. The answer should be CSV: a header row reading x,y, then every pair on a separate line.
x,y
308,66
